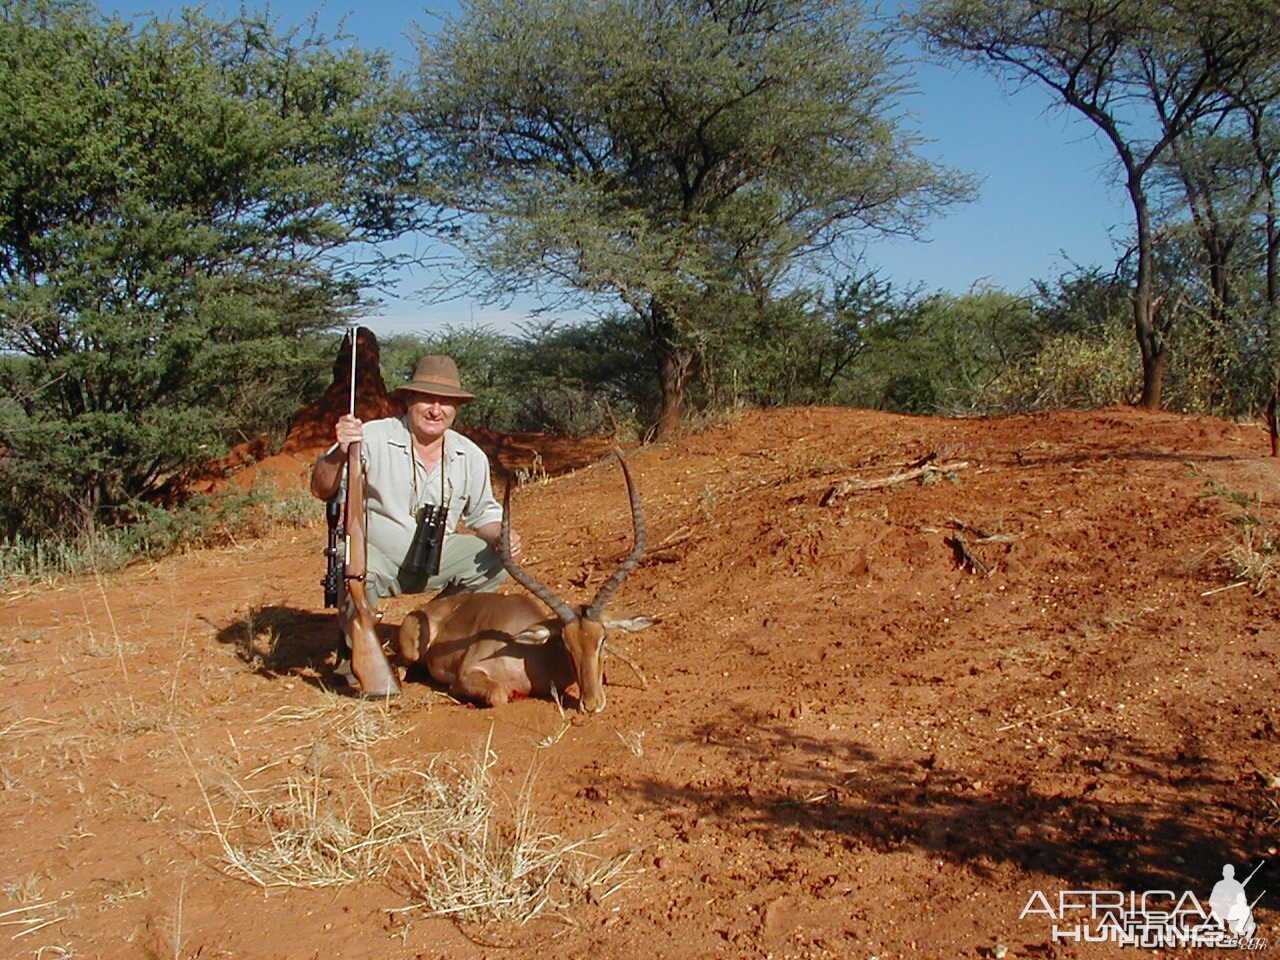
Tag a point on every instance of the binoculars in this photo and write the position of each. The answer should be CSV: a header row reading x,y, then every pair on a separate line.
x,y
428,542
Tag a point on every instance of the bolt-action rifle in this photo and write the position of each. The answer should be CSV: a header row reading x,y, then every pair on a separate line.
x,y
335,551
1251,873
344,581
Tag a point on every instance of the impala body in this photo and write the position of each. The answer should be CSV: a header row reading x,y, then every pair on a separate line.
x,y
495,647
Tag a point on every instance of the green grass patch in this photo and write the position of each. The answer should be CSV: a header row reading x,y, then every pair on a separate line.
x,y
204,521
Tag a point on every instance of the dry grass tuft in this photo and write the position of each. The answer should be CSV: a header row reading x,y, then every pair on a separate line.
x,y
1253,559
358,724
326,710
317,830
25,726
506,868
125,716
536,472
1252,555
364,727
697,422
458,852
11,646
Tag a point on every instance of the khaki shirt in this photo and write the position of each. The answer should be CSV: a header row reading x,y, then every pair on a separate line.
x,y
397,484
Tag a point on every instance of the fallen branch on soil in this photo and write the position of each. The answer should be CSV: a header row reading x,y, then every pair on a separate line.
x,y
960,545
614,652
665,551
1230,586
1023,723
964,557
928,471
22,917
675,537
983,537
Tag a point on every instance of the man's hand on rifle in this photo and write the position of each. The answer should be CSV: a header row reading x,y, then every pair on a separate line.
x,y
349,430
326,476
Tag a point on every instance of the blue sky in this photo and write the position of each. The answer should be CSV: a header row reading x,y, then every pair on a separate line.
x,y
1048,197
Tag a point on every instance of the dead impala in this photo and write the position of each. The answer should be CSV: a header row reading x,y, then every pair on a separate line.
x,y
495,647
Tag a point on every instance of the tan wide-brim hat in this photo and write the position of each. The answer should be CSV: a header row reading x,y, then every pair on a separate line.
x,y
436,375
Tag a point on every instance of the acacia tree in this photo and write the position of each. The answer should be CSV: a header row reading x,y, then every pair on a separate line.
x,y
1212,177
1144,72
683,156
177,203
1258,103
1222,175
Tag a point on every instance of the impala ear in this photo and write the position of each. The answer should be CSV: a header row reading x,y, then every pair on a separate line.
x,y
533,635
631,624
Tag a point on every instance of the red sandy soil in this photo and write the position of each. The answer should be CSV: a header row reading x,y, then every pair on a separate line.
x,y
850,744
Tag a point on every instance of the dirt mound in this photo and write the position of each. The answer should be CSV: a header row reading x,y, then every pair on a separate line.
x,y
879,715
525,456
310,431
312,426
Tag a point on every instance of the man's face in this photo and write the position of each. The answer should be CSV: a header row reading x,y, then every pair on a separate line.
x,y
431,416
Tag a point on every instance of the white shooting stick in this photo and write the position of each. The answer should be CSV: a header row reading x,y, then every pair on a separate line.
x,y
352,330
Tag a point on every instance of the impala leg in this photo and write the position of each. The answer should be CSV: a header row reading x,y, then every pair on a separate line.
x,y
492,679
473,683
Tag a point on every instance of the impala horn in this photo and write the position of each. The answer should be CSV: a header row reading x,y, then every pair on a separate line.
x,y
562,610
596,608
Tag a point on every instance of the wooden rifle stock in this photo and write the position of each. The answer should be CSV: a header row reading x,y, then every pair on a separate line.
x,y
357,565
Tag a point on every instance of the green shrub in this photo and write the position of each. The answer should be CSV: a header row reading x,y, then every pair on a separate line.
x,y
1069,371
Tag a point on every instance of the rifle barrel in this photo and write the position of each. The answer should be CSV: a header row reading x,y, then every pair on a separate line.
x,y
1250,876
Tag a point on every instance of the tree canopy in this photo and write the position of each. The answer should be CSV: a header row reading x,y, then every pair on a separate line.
x,y
179,203
687,158
1145,73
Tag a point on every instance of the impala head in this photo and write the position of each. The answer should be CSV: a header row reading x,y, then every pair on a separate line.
x,y
584,642
583,630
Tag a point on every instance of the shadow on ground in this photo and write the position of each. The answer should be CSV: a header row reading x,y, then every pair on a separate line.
x,y
1193,817
282,641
